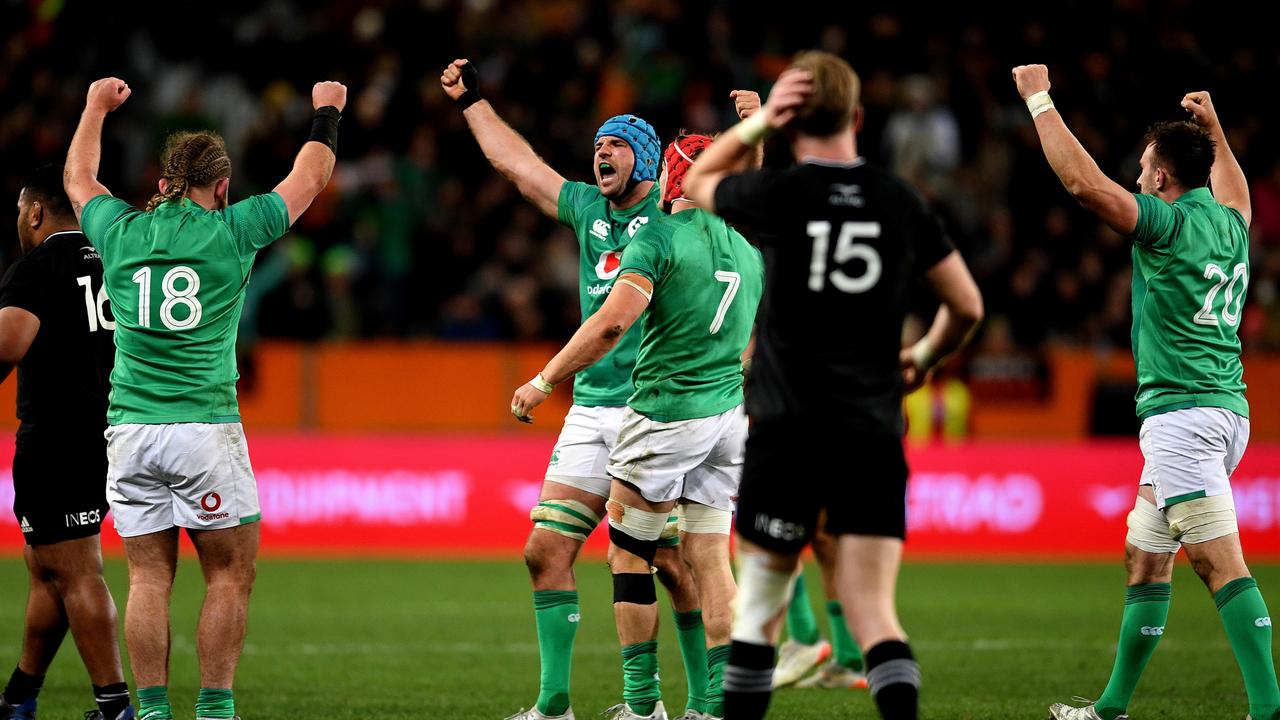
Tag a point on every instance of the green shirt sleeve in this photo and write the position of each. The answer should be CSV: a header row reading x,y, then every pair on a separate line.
x,y
257,221
1157,223
648,254
100,213
574,196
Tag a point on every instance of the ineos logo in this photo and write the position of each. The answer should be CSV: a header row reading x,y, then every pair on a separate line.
x,y
211,501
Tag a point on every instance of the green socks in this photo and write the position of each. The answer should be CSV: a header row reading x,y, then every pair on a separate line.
x,y
640,687
802,626
1146,607
153,703
557,615
215,703
845,648
1248,624
693,650
717,658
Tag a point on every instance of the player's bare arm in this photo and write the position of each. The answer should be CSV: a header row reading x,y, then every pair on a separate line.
x,y
508,152
593,340
958,317
18,330
728,153
80,178
1078,172
314,164
1230,187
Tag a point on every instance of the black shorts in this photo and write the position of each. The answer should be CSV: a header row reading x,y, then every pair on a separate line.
x,y
794,469
59,482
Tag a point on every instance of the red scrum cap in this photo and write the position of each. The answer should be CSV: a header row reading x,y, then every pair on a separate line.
x,y
679,158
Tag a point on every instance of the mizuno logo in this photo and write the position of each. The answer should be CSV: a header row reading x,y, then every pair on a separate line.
x,y
846,195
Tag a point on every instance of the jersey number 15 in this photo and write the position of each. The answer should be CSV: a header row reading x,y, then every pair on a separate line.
x,y
846,249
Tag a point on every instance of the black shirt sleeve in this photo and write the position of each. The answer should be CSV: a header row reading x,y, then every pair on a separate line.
x,y
753,199
24,287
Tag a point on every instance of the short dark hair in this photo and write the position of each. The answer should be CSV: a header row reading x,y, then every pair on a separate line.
x,y
1184,149
45,185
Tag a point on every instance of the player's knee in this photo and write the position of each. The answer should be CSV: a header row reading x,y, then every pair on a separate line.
x,y
1202,519
1149,529
635,530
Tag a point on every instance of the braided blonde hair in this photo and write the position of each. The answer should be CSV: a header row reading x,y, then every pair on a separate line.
x,y
191,159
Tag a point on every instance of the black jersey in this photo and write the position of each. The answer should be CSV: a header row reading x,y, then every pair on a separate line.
x,y
64,378
843,245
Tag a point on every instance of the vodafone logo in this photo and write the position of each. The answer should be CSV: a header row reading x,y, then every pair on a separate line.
x,y
211,501
609,264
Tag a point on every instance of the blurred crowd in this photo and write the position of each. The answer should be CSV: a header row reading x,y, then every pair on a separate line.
x,y
418,237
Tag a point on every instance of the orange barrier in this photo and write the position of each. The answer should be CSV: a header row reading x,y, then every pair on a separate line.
x,y
466,387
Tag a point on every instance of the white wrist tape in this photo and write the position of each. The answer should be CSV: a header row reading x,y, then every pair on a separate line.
x,y
541,383
922,354
1038,103
752,130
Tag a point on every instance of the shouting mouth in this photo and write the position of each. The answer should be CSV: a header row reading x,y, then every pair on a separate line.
x,y
606,171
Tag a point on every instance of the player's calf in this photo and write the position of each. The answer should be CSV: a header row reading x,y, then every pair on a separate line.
x,y
633,543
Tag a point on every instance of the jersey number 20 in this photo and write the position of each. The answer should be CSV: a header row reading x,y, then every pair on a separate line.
x,y
846,249
1207,316
173,297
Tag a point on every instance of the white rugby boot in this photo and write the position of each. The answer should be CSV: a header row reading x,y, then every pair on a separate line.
x,y
1063,711
534,714
622,711
834,675
795,660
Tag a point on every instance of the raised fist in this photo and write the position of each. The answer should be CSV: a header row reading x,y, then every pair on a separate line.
x,y
459,78
107,94
746,102
329,93
1031,79
1200,105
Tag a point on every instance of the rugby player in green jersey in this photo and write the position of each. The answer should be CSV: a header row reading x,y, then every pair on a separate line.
x,y
1190,274
176,275
683,433
604,216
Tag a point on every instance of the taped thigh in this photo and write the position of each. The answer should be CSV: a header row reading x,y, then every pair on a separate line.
x,y
1202,519
699,518
570,518
1149,529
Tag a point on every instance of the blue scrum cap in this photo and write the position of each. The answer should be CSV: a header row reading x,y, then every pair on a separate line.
x,y
643,140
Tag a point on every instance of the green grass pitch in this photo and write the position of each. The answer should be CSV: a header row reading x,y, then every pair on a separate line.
x,y
454,639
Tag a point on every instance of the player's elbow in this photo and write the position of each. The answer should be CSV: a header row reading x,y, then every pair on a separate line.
x,y
968,309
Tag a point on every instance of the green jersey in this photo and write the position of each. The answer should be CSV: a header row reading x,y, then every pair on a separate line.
x,y
1190,273
707,281
602,234
176,279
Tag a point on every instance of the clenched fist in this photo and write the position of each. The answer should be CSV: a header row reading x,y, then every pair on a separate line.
x,y
746,102
1031,79
328,93
107,94
461,82
1200,105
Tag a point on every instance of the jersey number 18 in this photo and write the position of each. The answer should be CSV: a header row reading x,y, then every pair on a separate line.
x,y
173,297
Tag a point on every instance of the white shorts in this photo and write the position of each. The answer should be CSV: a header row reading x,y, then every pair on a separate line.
x,y
581,454
698,460
1191,453
192,475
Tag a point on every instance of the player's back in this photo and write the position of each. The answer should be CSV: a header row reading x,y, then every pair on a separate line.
x,y
843,246
1191,274
707,286
176,277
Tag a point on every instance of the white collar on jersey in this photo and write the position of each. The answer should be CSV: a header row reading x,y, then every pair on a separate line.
x,y
63,232
811,160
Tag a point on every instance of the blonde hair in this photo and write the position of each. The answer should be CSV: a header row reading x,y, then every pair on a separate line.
x,y
191,159
836,90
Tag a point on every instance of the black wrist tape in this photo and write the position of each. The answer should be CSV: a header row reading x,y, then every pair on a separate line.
x,y
324,127
470,80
